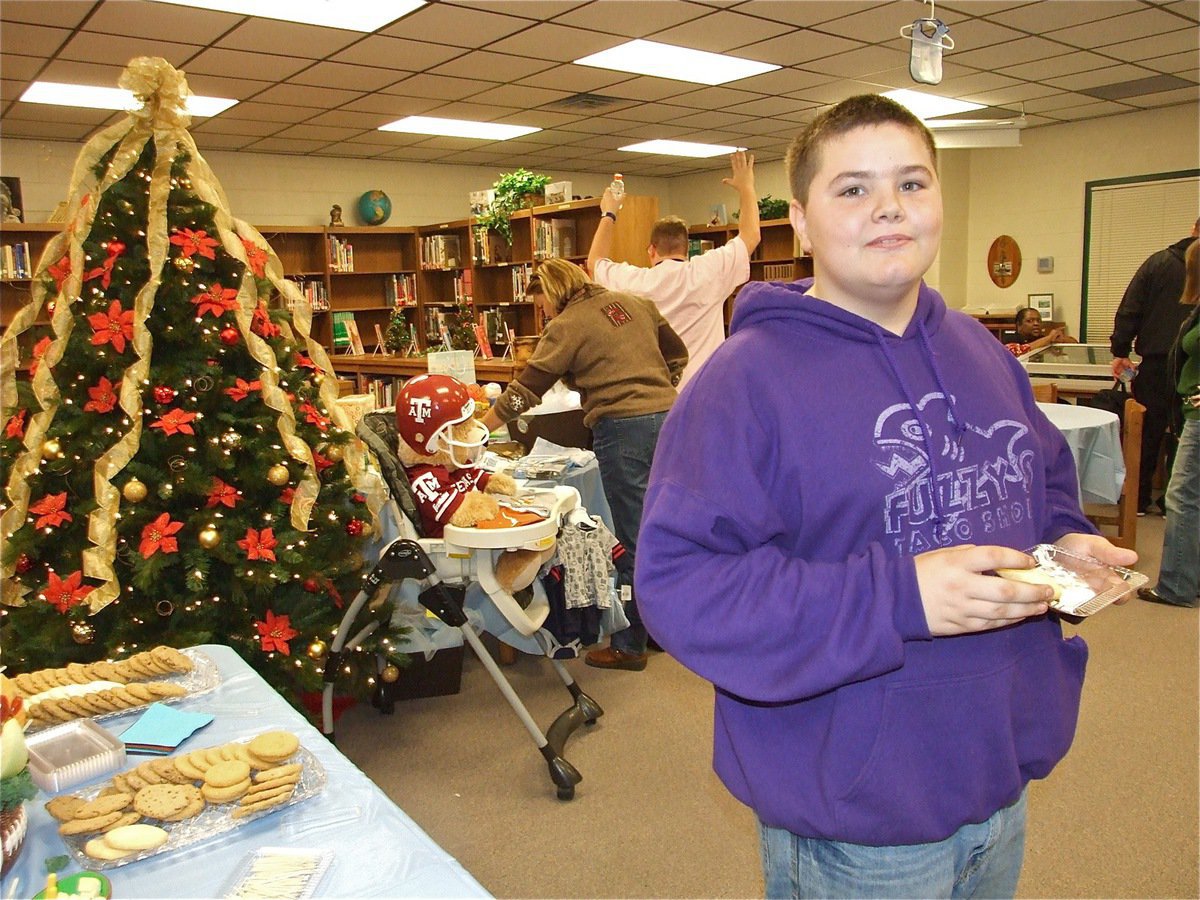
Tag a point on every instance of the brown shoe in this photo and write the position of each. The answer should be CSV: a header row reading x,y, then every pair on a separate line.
x,y
612,658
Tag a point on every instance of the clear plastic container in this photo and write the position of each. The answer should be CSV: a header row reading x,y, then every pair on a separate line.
x,y
72,753
1087,584
287,873
618,186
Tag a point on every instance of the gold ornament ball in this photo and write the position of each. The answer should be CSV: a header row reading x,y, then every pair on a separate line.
x,y
134,491
209,537
390,673
335,452
51,449
317,650
184,263
366,529
82,633
278,475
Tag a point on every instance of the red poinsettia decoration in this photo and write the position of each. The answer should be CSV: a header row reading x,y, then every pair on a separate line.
x,y
104,272
158,537
275,632
322,462
222,494
304,362
39,350
15,427
287,495
259,544
113,327
68,592
192,242
217,301
256,258
175,422
242,389
314,416
104,397
262,324
60,271
51,511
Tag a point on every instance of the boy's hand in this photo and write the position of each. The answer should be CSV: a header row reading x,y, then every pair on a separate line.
x,y
741,166
609,203
1100,548
959,599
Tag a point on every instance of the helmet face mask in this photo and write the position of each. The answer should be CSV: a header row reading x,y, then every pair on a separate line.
x,y
428,409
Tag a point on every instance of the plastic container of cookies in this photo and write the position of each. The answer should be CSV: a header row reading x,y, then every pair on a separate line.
x,y
1087,585
72,753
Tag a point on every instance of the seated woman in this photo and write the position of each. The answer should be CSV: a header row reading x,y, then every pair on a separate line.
x,y
1032,335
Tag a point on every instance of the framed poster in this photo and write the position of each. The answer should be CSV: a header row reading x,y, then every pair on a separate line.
x,y
12,206
1044,304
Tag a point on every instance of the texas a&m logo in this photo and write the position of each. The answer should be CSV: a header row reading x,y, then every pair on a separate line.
x,y
617,314
419,408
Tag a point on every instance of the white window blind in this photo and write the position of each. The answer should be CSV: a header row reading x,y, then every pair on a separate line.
x,y
1127,223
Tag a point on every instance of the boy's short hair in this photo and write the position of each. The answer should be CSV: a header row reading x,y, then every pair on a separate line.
x,y
804,155
669,236
559,280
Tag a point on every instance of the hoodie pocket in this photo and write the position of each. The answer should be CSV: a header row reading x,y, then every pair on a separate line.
x,y
954,751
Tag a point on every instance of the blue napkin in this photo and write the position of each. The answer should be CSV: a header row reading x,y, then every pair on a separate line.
x,y
161,729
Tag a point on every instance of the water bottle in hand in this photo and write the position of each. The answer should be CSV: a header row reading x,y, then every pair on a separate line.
x,y
1126,374
618,186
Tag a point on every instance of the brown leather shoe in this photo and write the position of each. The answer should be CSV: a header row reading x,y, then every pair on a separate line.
x,y
612,658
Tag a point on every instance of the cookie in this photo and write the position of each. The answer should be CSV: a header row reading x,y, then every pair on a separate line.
x,y
158,801
136,837
192,809
164,690
104,805
186,769
291,769
172,658
274,746
127,818
147,773
225,774
262,803
1033,576
98,848
259,792
224,794
88,825
64,807
165,768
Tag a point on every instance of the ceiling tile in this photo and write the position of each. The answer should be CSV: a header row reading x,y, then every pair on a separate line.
x,y
1120,29
974,34
1090,110
258,66
270,112
457,25
629,18
344,118
1166,98
862,63
81,72
1187,8
290,145
303,95
646,88
518,95
1007,54
1097,77
487,66
1042,18
542,118
394,53
721,32
768,106
1066,63
973,84
245,127
1013,95
324,133
216,86
805,14
530,9
50,131
341,75
392,106
438,87
576,79
301,41
161,21
1175,64
716,98
835,91
74,115
650,112
1063,100
60,15
783,81
208,141
90,46
797,49
35,40
715,119
1185,40
882,22
20,68
555,42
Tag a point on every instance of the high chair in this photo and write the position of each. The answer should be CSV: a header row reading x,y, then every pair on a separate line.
x,y
443,569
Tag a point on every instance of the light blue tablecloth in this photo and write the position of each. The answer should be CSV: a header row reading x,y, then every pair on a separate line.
x,y
378,850
1094,436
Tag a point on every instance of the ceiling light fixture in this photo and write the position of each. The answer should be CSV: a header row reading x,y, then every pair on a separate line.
x,y
680,148
929,106
93,97
348,16
680,63
463,128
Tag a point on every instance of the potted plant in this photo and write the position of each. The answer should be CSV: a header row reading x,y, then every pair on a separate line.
x,y
514,190
769,208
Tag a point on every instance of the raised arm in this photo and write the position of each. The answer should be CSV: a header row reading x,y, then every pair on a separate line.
x,y
603,240
742,181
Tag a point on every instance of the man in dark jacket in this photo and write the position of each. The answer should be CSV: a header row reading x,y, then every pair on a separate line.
x,y
1148,320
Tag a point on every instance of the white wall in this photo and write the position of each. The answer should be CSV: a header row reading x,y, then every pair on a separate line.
x,y
271,189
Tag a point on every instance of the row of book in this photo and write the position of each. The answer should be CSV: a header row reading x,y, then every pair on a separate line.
x,y
341,254
697,246
15,262
315,293
441,251
554,238
489,248
382,389
400,290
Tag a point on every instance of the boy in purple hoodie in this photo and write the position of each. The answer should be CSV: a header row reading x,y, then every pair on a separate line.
x,y
822,550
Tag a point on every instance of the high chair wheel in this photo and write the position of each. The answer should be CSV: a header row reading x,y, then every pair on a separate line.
x,y
566,793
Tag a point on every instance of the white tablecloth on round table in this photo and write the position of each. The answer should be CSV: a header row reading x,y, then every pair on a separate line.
x,y
1094,436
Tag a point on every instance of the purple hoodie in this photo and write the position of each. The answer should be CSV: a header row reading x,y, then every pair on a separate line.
x,y
791,489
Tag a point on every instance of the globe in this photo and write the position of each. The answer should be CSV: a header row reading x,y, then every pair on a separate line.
x,y
374,207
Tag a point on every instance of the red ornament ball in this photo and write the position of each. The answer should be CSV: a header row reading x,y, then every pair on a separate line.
x,y
312,585
229,336
24,563
354,527
358,498
164,394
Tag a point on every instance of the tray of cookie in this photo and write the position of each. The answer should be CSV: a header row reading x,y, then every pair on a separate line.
x,y
105,689
171,802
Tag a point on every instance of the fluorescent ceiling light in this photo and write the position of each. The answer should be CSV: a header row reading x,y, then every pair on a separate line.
x,y
92,97
680,63
483,131
680,148
929,106
348,16
972,138
944,124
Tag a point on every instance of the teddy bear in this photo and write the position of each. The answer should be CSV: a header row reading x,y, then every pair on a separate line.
x,y
440,443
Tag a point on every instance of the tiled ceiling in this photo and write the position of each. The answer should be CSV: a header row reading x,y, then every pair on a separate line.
x,y
324,91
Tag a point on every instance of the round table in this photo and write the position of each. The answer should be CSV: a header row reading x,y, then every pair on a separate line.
x,y
1094,436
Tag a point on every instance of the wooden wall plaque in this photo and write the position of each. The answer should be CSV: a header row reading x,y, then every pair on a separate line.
x,y
1004,261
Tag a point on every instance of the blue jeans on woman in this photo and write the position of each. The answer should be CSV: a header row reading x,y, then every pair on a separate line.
x,y
1179,577
981,860
624,451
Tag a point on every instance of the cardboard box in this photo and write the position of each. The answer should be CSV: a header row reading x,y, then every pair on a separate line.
x,y
436,677
558,192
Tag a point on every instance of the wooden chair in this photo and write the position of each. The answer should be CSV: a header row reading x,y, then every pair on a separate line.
x,y
1046,393
1123,516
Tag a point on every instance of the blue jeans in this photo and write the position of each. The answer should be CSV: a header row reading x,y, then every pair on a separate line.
x,y
624,450
1179,577
976,861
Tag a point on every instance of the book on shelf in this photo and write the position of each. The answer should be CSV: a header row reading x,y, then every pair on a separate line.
x,y
314,292
481,201
341,255
440,251
341,329
700,246
400,290
520,278
779,272
481,340
14,261
462,286
554,238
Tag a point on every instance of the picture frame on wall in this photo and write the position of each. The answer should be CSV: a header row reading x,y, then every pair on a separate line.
x,y
12,205
1044,304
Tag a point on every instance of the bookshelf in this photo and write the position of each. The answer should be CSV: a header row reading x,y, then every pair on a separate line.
x,y
369,271
21,248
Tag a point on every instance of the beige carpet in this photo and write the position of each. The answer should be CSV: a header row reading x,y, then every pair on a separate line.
x,y
1118,818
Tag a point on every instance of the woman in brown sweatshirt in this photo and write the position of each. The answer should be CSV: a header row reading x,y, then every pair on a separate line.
x,y
624,359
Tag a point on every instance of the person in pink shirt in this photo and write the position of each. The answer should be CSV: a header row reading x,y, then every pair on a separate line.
x,y
690,293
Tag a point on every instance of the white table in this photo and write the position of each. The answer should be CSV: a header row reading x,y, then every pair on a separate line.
x,y
1094,436
378,849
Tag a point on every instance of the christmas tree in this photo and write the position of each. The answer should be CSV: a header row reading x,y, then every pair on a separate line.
x,y
178,469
